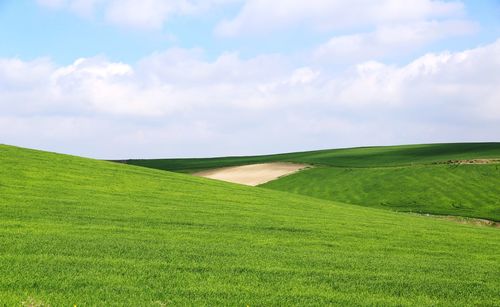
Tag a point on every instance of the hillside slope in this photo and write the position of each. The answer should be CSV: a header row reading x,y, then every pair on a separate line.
x,y
86,232
414,178
349,157
464,190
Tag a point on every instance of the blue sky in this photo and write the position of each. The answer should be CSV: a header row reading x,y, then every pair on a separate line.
x,y
29,30
151,78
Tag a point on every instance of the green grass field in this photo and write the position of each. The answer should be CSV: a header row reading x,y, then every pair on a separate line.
x,y
403,178
86,232
465,190
349,157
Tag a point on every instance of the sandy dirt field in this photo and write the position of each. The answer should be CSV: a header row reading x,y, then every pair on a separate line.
x,y
253,174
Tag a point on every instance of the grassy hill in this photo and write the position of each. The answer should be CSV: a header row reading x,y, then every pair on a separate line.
x,y
348,157
465,190
86,232
403,178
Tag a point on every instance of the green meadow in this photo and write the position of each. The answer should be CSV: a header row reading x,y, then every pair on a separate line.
x,y
76,231
411,178
385,156
464,190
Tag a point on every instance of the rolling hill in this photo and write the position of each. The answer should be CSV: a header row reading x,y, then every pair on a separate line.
x,y
463,190
384,156
87,232
414,178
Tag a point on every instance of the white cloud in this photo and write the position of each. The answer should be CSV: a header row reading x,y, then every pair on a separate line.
x,y
178,103
303,76
261,16
143,14
390,40
17,73
453,87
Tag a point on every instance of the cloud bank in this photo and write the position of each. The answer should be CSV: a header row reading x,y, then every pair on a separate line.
x,y
174,103
258,16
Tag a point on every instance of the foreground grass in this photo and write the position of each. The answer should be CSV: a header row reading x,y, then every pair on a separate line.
x,y
465,190
349,157
85,232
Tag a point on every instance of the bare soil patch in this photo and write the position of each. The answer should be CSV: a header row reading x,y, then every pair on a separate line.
x,y
253,174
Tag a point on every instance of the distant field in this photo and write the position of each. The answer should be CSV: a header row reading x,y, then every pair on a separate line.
x,y
465,190
350,157
413,178
77,231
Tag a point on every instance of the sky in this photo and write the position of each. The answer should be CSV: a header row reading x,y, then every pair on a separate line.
x,y
116,79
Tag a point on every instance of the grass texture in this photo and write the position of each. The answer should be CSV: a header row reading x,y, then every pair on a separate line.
x,y
86,232
465,190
